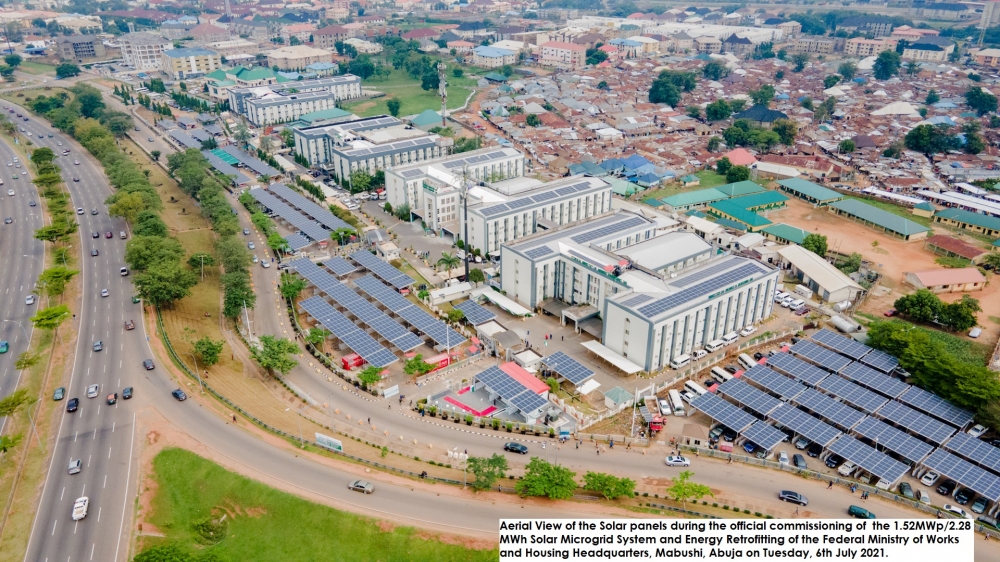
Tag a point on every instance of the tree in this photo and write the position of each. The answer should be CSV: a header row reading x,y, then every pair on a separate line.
x,y
912,67
799,61
693,111
8,442
454,315
487,470
26,360
417,366
156,155
886,65
42,156
974,143
922,306
718,110
273,354
165,283
200,259
402,212
448,261
476,276
370,375
546,480
683,490
50,318
981,101
393,104
12,60
360,181
714,70
815,243
610,486
208,350
291,286
723,165
242,135
143,252
779,76
846,146
929,139
126,205
786,130
932,97
713,144
960,315
603,85
848,69
532,120
317,337
664,91
13,402
67,70
831,81
430,80
738,173
52,281
762,95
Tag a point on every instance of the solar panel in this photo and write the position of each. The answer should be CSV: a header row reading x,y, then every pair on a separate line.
x,y
974,450
475,313
344,330
251,162
783,386
309,227
296,241
870,378
528,401
594,234
880,361
829,409
511,390
317,213
855,395
494,210
340,266
879,464
829,360
895,440
805,425
704,273
748,396
393,301
965,473
844,346
637,300
936,406
408,174
723,412
797,368
915,422
687,295
763,435
538,252
386,272
567,367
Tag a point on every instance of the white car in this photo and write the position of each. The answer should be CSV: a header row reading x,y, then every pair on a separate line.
x,y
104,292
930,478
677,461
10,192
748,330
847,468
783,458
978,430
76,162
265,264
687,396
80,508
957,511
787,301
79,210
30,299
92,391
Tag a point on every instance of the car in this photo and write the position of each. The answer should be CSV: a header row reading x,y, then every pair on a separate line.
x,y
946,487
59,143
124,272
783,457
8,220
75,466
748,330
728,435
127,393
108,234
964,495
677,460
94,253
246,232
105,293
94,234
957,511
716,432
930,478
698,353
792,497
29,300
80,508
665,405
802,310
92,391
129,325
833,461
73,405
979,505
512,447
59,394
112,398
801,443
4,346
98,345
15,176
977,430
76,162
890,312
10,192
50,134
758,356
265,264
93,211
749,447
79,211
137,128
148,364
150,139
251,245
9,164
135,299
179,394
31,203
907,491
799,461
860,512
732,369
814,450
924,497
687,396
362,486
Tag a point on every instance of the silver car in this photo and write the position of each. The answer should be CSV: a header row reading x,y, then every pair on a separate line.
x,y
75,466
361,486
92,391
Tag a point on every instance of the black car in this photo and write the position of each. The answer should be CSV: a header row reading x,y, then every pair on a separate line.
x,y
793,497
732,369
515,448
73,404
795,340
148,364
964,496
728,435
800,461
833,461
94,253
179,394
127,393
758,356
946,487
814,450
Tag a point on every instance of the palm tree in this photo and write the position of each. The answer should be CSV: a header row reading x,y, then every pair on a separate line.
x,y
266,144
448,261
242,135
912,68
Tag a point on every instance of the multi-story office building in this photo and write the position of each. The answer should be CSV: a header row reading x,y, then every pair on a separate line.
x,y
182,64
144,51
265,105
80,47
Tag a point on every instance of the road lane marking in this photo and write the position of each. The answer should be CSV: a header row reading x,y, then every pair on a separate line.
x,y
128,476
63,493
109,452
105,481
75,527
98,520
94,544
113,427
75,436
54,527
88,460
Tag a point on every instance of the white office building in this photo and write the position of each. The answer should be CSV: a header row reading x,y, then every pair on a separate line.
x,y
281,103
144,51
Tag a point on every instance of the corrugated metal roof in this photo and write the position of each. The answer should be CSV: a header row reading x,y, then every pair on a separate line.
x,y
739,213
695,197
877,216
810,189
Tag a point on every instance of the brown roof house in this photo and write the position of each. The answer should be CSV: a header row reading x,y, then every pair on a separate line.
x,y
950,280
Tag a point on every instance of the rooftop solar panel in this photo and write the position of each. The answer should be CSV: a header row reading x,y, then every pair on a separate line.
x,y
975,451
844,346
383,270
594,234
805,425
705,272
870,378
664,304
797,368
637,300
749,397
855,395
916,422
307,226
340,266
781,385
836,413
393,301
475,313
723,412
344,330
511,390
869,459
567,367
885,436
965,473
936,406
821,356
880,361
528,401
409,174
318,213
763,435
538,252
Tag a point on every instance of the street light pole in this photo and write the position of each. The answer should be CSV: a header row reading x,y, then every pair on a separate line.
x,y
197,373
18,322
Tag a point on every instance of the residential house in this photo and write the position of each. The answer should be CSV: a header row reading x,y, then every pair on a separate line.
x,y
737,45
297,57
706,44
327,37
563,55
207,33
861,47
929,49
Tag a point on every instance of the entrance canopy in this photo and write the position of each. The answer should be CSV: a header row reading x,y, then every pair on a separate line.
x,y
618,361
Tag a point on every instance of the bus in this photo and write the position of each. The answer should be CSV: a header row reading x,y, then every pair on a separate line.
x,y
676,403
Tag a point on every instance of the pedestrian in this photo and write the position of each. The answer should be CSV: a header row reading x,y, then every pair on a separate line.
x,y
628,446
830,485
796,511
578,445
234,418
730,459
598,451
369,421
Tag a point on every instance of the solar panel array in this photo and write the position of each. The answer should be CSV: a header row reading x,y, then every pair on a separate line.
x,y
309,227
976,451
763,435
387,148
340,266
416,172
829,360
936,406
855,395
844,346
965,473
345,330
513,204
880,361
797,368
259,167
511,390
391,300
879,464
608,230
637,300
474,313
805,425
296,241
897,441
538,252
384,271
870,378
781,385
363,310
704,273
567,367
920,424
664,304
319,214
748,396
225,168
475,159
837,413
723,412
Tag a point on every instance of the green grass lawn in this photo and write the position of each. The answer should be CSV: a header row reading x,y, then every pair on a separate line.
x,y
710,178
412,97
37,68
894,209
964,350
266,524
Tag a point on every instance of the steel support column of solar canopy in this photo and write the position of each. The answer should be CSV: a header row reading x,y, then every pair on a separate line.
x,y
879,464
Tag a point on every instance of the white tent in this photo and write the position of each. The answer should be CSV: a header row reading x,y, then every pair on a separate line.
x,y
896,108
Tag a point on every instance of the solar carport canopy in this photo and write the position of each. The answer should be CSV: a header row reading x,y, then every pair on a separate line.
x,y
976,451
870,378
749,397
920,424
829,409
781,385
309,227
763,435
936,406
797,368
723,412
805,425
345,330
321,215
879,464
965,473
819,355
880,361
568,368
895,440
845,346
852,394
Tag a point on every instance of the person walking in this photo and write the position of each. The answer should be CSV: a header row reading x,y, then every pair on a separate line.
x,y
796,511
830,485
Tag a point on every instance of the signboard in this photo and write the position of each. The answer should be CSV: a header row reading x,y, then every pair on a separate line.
x,y
329,442
391,391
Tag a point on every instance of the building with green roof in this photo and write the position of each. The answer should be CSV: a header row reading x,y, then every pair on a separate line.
x,y
785,233
809,191
745,187
323,117
428,119
763,201
735,212
879,220
923,209
622,187
967,220
692,199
